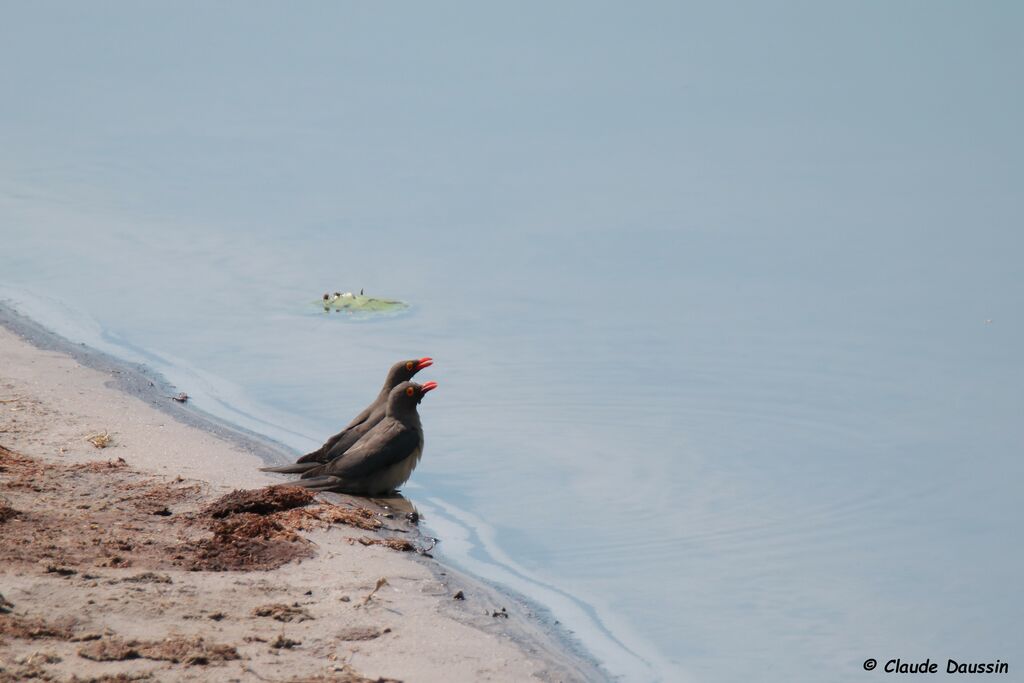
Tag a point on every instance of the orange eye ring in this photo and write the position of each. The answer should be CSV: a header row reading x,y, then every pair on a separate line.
x,y
409,365
409,391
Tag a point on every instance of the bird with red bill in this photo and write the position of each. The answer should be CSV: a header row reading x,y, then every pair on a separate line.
x,y
385,457
337,445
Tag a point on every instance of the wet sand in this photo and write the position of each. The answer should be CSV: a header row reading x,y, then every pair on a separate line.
x,y
127,556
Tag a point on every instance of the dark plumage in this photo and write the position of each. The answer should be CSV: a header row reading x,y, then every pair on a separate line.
x,y
401,371
385,457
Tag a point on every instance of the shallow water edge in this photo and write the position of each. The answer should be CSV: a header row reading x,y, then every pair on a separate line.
x,y
538,634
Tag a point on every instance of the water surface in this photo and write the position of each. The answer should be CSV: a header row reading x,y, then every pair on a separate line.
x,y
724,302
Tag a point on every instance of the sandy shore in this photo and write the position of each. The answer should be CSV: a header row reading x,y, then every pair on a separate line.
x,y
122,560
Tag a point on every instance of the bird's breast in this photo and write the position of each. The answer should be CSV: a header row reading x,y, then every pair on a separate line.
x,y
390,478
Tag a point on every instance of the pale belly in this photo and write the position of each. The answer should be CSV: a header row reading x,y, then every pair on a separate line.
x,y
391,478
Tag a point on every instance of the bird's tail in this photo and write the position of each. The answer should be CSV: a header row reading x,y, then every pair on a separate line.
x,y
325,483
315,457
294,468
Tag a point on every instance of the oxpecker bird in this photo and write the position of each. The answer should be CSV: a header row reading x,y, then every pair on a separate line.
x,y
335,446
385,457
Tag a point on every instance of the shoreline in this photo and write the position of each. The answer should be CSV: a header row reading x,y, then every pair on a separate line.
x,y
529,638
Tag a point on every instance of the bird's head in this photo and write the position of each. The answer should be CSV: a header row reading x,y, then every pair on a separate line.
x,y
408,395
404,370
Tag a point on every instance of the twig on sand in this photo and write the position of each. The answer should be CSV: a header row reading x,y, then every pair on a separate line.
x,y
381,582
250,670
101,440
12,400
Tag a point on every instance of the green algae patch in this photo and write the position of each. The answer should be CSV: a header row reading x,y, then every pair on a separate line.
x,y
347,302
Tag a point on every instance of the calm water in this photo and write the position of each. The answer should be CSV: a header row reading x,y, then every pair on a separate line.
x,y
725,303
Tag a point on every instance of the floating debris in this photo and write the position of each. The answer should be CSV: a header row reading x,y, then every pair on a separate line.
x,y
359,303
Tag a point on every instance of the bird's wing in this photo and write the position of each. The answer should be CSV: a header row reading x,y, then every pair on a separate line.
x,y
351,437
323,454
362,417
384,445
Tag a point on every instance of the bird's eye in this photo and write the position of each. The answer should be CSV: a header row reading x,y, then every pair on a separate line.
x,y
409,365
409,391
